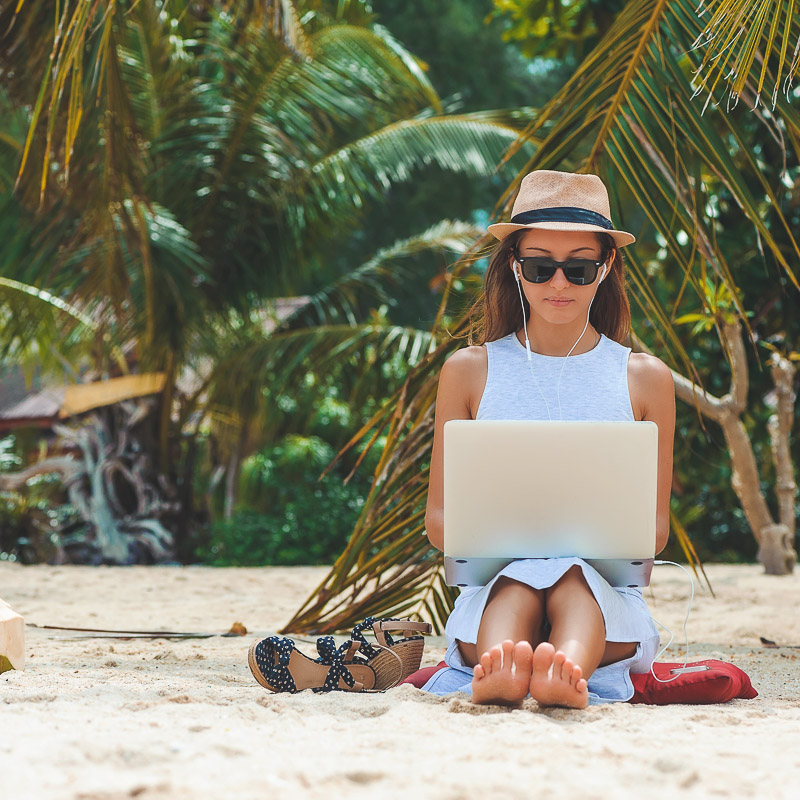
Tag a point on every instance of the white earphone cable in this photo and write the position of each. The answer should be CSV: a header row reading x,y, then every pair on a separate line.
x,y
671,634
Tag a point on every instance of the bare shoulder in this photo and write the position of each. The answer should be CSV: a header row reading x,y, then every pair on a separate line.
x,y
648,369
463,377
467,360
650,383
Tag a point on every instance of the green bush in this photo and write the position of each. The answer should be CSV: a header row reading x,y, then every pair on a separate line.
x,y
286,515
30,519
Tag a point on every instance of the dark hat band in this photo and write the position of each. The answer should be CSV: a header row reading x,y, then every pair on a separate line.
x,y
562,214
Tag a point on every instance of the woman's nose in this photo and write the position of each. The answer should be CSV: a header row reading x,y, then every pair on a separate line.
x,y
559,280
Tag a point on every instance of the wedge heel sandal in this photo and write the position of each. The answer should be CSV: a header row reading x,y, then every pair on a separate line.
x,y
280,667
389,668
386,649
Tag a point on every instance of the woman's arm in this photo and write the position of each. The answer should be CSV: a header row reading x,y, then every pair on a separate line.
x,y
653,398
461,384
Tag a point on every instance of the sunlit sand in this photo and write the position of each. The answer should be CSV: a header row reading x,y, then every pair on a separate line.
x,y
102,719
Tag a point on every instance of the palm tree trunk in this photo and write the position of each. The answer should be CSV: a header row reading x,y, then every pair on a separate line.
x,y
232,478
780,428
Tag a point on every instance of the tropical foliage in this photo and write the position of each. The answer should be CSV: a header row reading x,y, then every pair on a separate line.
x,y
173,171
221,192
709,196
552,28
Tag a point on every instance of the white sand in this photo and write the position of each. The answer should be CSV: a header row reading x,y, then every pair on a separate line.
x,y
95,719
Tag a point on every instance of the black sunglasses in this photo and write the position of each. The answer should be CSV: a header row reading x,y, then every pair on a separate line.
x,y
539,269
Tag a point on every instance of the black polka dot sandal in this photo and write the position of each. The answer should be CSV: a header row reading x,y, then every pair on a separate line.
x,y
383,654
280,667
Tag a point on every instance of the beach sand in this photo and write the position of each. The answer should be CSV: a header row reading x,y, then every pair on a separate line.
x,y
101,719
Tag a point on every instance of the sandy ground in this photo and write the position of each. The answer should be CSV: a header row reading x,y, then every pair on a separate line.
x,y
98,719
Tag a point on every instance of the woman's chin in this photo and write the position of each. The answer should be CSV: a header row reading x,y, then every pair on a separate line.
x,y
564,315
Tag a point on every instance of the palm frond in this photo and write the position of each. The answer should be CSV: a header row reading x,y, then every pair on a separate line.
x,y
388,567
375,281
283,106
473,144
256,360
39,330
745,42
627,114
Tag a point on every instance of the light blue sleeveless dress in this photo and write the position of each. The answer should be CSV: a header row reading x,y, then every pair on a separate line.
x,y
589,386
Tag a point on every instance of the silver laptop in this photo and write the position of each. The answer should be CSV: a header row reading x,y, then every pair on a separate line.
x,y
528,489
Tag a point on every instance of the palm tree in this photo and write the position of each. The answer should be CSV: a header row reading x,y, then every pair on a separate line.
x,y
171,168
343,332
628,114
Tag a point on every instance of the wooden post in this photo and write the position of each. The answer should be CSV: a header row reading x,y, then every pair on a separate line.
x,y
12,639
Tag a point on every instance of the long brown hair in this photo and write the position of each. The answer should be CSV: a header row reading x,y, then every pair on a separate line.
x,y
495,313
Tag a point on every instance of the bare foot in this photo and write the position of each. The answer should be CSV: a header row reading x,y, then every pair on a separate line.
x,y
503,675
555,680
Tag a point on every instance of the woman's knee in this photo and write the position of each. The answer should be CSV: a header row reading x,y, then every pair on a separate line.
x,y
573,575
512,591
571,584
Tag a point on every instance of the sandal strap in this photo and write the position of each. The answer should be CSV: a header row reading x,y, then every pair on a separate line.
x,y
335,657
406,626
380,626
277,674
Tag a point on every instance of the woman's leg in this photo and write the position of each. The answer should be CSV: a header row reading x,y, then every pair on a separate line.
x,y
577,646
577,626
513,611
510,628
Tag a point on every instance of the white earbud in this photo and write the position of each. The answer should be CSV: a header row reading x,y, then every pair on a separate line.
x,y
522,306
603,274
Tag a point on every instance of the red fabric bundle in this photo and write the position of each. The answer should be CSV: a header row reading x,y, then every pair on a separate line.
x,y
422,676
718,684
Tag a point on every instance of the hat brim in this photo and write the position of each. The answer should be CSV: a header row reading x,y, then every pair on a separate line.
x,y
502,229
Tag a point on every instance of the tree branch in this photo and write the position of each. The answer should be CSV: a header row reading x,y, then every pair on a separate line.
x,y
740,377
67,466
686,389
726,412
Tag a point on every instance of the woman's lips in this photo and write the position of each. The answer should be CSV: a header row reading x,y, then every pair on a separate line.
x,y
558,302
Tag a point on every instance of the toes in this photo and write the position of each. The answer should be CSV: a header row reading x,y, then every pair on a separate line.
x,y
478,672
556,679
543,657
507,649
491,661
496,657
523,658
560,668
486,663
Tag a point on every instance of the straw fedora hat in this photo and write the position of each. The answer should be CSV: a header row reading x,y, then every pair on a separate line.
x,y
562,201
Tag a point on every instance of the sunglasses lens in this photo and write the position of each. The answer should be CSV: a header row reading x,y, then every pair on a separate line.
x,y
538,270
580,271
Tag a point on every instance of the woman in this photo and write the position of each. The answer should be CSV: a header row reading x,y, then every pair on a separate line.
x,y
550,322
